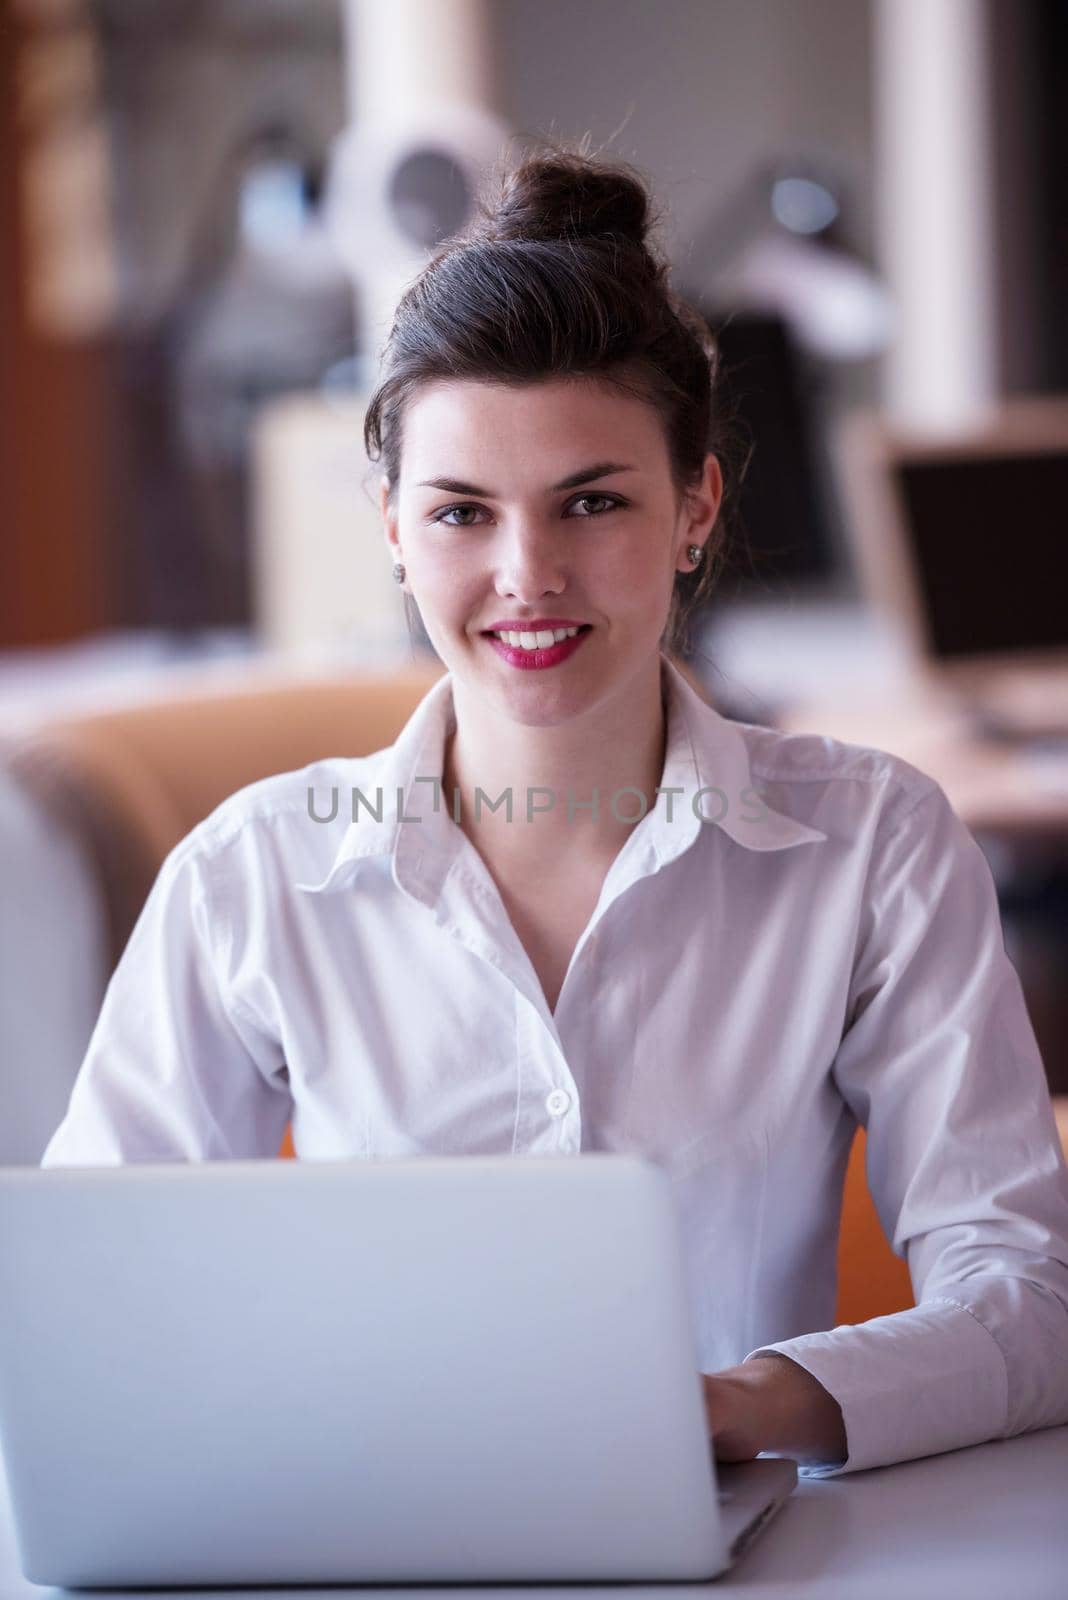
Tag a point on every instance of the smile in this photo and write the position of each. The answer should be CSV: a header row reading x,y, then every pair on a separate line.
x,y
541,640
545,648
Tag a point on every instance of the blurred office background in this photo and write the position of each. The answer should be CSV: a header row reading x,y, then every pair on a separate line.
x,y
208,208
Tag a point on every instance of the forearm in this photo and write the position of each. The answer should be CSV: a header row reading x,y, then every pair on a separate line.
x,y
772,1403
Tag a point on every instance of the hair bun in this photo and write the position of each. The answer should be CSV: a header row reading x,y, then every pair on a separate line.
x,y
567,195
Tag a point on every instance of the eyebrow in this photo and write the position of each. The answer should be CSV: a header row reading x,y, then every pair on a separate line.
x,y
600,469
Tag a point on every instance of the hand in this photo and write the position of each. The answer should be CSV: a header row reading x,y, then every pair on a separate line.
x,y
772,1403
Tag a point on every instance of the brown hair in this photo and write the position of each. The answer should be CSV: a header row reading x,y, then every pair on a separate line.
x,y
558,276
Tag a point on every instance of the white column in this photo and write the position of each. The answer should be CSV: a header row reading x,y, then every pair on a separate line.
x,y
935,201
401,52
416,70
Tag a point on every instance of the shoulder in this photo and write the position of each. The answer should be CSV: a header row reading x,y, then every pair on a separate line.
x,y
888,823
853,777
859,796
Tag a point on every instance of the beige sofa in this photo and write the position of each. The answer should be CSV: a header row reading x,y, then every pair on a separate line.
x,y
89,807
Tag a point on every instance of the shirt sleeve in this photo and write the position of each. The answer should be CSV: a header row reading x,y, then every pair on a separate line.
x,y
175,1070
939,1063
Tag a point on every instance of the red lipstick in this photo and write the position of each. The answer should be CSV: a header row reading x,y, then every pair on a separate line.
x,y
538,659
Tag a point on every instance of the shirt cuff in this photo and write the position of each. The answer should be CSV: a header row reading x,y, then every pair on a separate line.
x,y
910,1384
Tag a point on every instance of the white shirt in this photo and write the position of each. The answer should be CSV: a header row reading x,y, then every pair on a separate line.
x,y
825,948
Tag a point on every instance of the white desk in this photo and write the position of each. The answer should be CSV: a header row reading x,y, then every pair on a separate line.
x,y
988,1523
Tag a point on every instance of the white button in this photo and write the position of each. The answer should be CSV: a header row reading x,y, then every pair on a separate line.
x,y
557,1103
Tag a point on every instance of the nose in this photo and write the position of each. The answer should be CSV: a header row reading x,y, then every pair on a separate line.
x,y
532,564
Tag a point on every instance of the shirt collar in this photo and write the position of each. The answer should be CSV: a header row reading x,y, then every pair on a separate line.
x,y
704,751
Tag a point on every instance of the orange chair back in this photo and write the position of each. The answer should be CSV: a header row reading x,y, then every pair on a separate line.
x,y
872,1280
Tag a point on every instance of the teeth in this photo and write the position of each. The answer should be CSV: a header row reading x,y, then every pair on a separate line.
x,y
537,641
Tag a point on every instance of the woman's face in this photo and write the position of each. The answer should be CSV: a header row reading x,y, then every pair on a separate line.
x,y
553,504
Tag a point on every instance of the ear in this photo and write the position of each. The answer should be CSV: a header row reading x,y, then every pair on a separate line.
x,y
700,508
389,518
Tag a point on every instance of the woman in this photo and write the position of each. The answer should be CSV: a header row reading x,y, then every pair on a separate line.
x,y
574,908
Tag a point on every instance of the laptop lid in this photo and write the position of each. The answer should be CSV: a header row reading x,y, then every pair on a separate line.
x,y
297,1372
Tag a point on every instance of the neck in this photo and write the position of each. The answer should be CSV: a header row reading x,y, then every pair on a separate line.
x,y
618,745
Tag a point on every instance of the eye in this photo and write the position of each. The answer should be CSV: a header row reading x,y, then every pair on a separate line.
x,y
439,516
611,501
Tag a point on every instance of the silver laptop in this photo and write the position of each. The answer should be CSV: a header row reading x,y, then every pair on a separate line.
x,y
418,1370
960,541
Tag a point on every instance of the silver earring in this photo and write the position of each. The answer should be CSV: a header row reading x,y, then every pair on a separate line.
x,y
694,552
398,571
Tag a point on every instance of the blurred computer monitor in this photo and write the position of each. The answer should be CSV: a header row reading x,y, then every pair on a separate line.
x,y
962,538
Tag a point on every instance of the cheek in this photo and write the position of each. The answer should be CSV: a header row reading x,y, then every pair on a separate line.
x,y
444,579
431,559
636,569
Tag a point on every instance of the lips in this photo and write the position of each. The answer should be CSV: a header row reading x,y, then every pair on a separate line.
x,y
541,657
